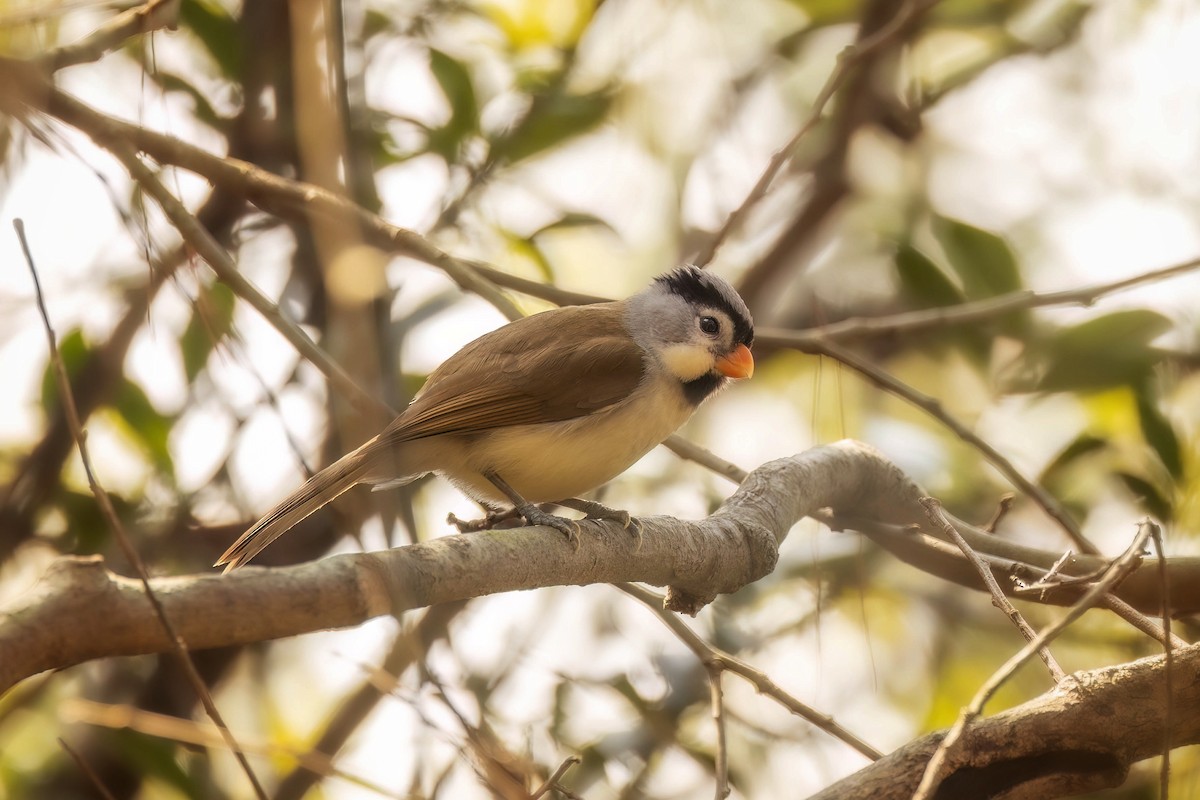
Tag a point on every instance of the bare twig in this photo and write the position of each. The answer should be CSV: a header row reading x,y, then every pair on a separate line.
x,y
934,509
693,452
717,701
555,777
179,647
29,89
709,655
1141,622
87,770
221,262
151,16
1002,508
193,734
847,60
933,408
975,312
1164,778
1114,575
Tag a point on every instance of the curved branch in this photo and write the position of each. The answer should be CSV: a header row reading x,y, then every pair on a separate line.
x,y
81,611
1080,737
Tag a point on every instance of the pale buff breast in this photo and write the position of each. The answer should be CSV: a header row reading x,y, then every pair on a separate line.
x,y
558,460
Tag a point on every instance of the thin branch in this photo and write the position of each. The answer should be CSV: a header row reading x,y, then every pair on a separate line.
x,y
1164,776
275,194
706,458
933,408
1114,575
151,16
710,655
556,776
87,770
1022,565
211,251
717,702
849,58
193,734
934,509
972,313
178,646
353,709
1141,622
1002,509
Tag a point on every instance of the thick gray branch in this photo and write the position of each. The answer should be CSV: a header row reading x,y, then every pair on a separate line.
x,y
80,610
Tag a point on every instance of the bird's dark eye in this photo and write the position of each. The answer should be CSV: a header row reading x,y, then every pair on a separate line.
x,y
710,326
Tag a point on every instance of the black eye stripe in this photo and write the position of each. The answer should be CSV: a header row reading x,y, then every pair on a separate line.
x,y
703,289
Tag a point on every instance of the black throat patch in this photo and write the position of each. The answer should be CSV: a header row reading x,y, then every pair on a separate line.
x,y
697,391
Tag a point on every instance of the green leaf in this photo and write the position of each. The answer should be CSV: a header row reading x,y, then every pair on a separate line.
x,y
203,108
1112,350
86,524
75,354
574,219
981,259
1156,504
146,425
1158,432
211,321
217,31
828,12
155,757
527,247
1083,445
553,119
375,22
924,283
455,80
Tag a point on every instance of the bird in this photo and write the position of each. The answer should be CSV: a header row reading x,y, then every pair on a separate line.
x,y
548,407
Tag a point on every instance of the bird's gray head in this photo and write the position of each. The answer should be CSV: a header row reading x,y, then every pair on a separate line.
x,y
697,327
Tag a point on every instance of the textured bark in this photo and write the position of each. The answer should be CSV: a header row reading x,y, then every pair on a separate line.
x,y
80,610
1080,737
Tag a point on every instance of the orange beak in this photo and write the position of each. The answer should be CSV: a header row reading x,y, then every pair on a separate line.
x,y
738,364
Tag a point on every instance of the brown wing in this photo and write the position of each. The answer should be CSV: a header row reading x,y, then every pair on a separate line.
x,y
549,367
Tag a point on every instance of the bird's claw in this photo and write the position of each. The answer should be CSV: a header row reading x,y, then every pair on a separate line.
x,y
485,523
567,527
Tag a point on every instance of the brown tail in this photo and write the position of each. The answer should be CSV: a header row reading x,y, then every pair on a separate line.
x,y
320,489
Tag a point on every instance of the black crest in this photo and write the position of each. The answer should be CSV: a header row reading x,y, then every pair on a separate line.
x,y
702,288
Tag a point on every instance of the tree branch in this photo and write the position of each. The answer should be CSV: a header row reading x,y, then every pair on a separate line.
x,y
81,611
1081,736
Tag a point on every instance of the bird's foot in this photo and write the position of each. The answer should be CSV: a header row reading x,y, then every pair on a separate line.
x,y
490,520
599,511
529,513
536,516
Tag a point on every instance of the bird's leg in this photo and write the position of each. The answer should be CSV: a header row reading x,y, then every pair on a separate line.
x,y
534,515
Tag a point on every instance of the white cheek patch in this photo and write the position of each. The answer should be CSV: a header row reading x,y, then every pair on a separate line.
x,y
687,361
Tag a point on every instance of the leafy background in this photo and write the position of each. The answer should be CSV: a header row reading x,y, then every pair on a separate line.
x,y
986,148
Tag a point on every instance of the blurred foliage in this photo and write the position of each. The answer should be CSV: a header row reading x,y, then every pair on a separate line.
x,y
590,145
